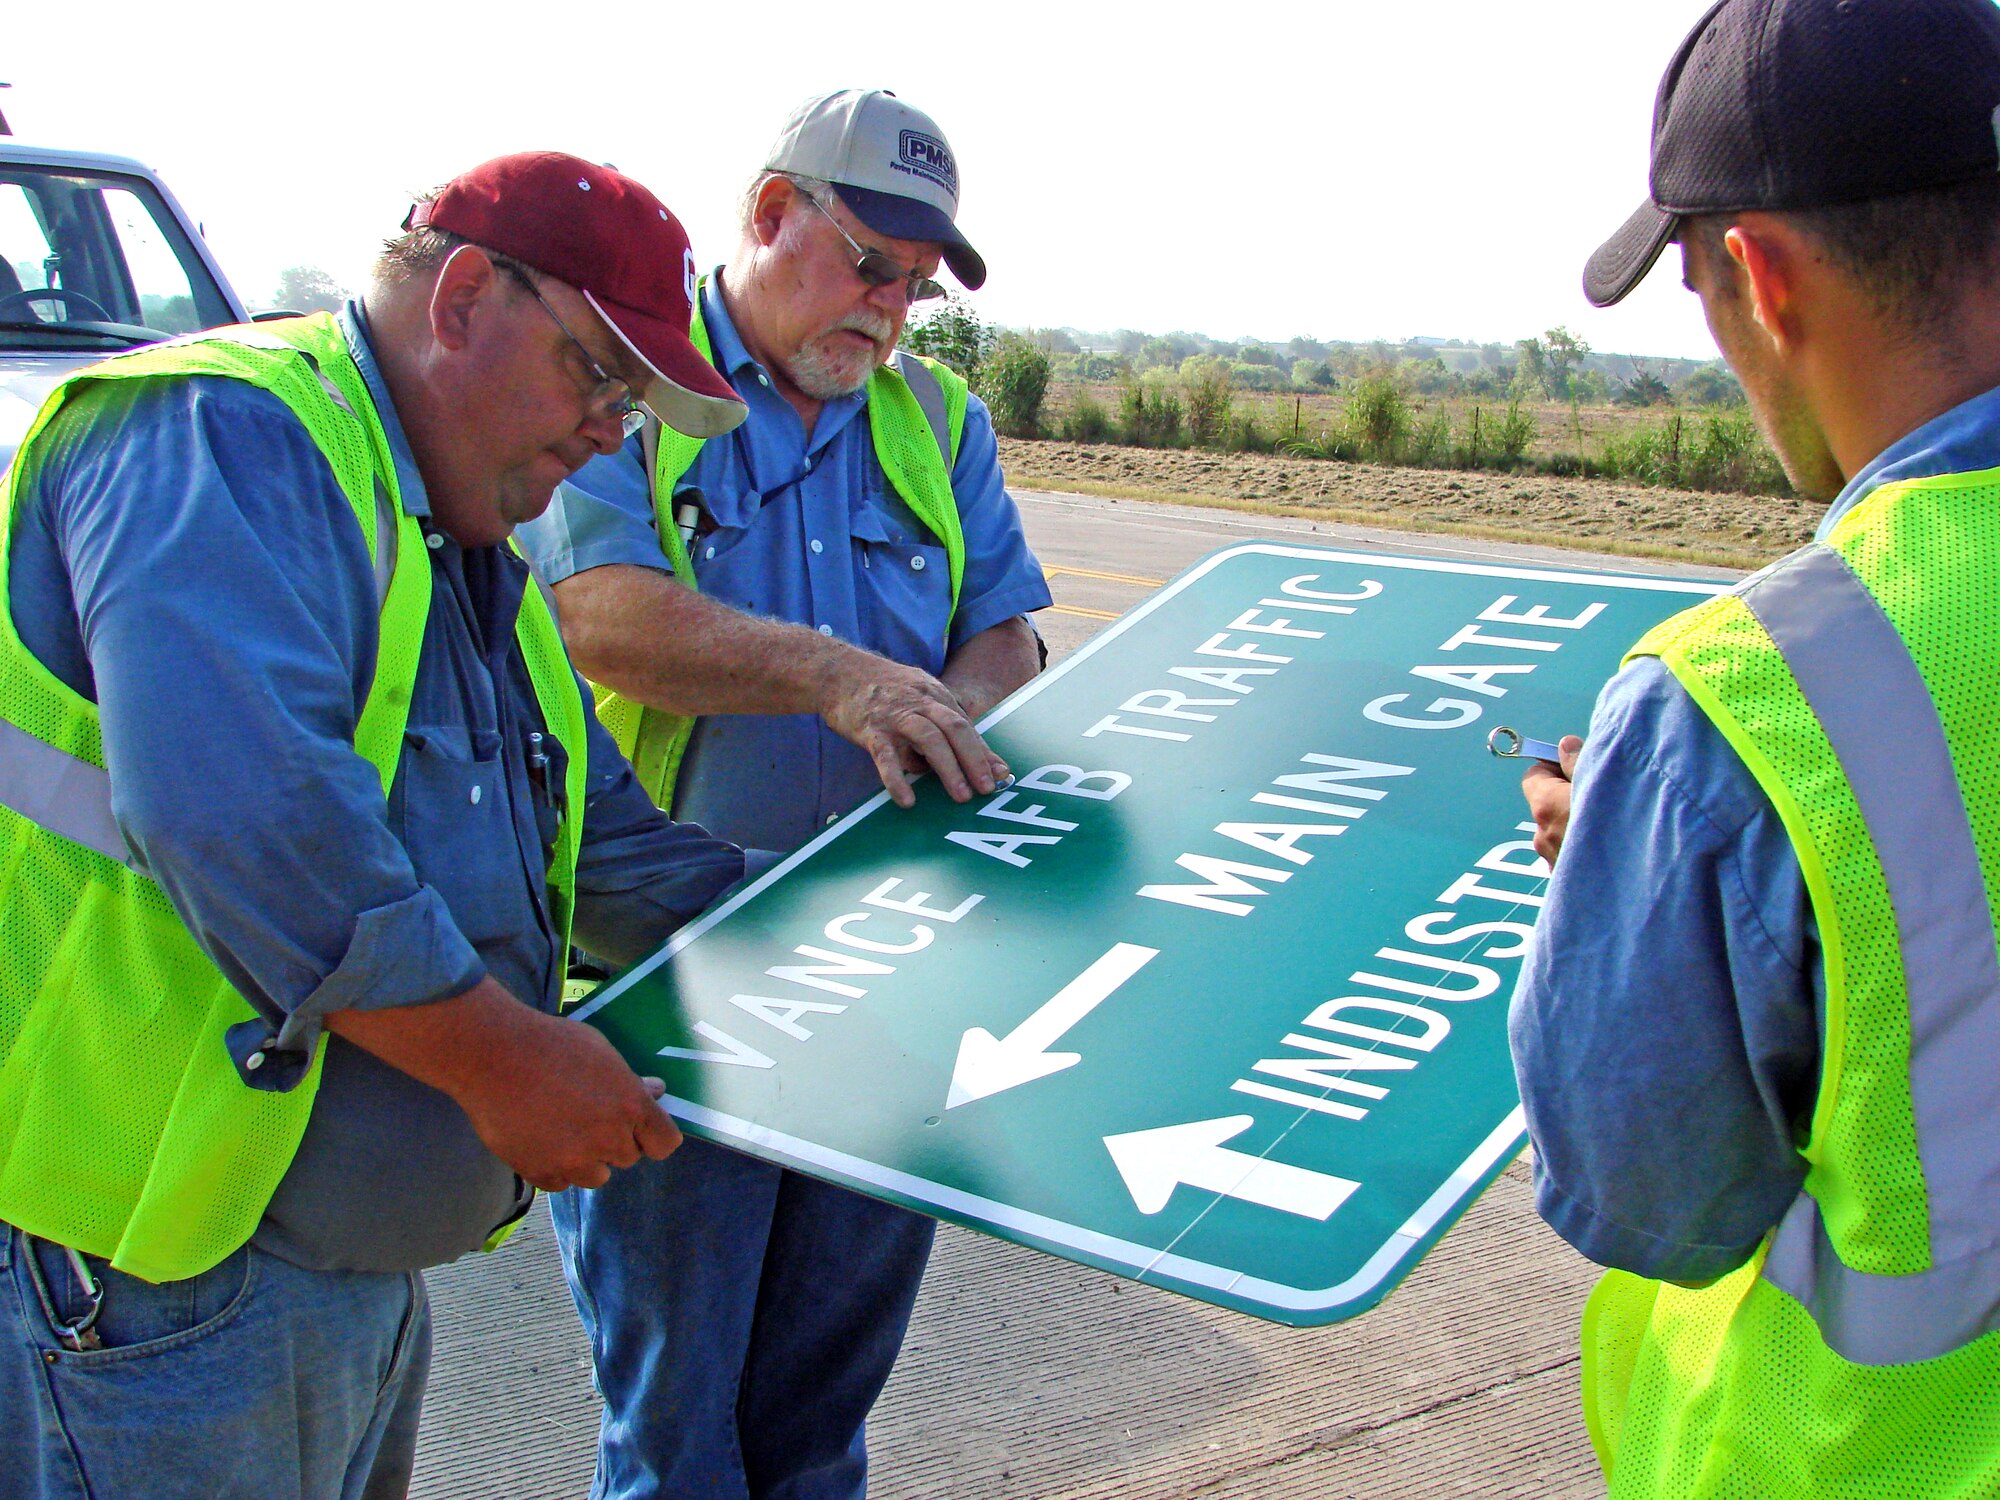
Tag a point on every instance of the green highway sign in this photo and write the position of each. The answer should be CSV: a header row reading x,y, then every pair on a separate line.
x,y
1214,996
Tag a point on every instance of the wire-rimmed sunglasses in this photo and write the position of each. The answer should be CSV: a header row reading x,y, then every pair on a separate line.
x,y
876,267
610,395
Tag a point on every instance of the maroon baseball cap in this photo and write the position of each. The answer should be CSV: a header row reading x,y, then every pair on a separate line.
x,y
612,240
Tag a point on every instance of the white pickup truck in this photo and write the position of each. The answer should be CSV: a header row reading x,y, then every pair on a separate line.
x,y
95,256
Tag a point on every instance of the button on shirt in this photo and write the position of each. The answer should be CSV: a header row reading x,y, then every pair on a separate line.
x,y
184,557
1668,1024
810,532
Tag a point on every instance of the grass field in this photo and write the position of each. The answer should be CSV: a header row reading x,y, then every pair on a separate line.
x,y
1559,429
1718,528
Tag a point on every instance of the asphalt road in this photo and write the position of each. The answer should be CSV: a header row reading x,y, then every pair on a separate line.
x,y
1028,1378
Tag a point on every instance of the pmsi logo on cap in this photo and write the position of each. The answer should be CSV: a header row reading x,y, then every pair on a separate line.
x,y
927,156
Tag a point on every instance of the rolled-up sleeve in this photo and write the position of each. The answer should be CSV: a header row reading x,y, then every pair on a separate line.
x,y
1002,577
1665,1030
225,602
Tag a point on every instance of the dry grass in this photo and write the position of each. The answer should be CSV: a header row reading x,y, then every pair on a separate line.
x,y
1743,531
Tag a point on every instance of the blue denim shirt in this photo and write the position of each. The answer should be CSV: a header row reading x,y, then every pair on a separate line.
x,y
811,532
184,557
1668,1022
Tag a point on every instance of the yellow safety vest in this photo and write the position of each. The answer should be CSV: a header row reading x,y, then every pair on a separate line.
x,y
916,415
1857,1356
125,1129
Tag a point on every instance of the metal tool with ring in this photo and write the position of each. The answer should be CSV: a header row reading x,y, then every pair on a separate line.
x,y
1512,743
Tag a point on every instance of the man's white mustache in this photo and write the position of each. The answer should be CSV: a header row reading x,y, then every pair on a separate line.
x,y
875,328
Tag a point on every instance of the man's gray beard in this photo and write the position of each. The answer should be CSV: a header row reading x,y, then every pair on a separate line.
x,y
825,375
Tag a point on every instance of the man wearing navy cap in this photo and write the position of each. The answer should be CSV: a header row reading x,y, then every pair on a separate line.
x,y
303,805
1758,1031
780,623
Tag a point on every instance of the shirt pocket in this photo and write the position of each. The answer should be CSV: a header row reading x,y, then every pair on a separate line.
x,y
902,586
451,794
723,565
548,786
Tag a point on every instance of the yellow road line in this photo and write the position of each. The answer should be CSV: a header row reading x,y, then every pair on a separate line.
x,y
1088,614
1136,582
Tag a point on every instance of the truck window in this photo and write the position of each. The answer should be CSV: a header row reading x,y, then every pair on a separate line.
x,y
100,254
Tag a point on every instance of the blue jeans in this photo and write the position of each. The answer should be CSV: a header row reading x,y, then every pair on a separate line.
x,y
252,1380
743,1319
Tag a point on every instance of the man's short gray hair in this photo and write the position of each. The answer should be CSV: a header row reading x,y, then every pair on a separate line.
x,y
746,211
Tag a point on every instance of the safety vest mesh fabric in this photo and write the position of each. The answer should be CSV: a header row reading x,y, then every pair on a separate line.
x,y
1736,1390
907,449
125,1130
1728,1393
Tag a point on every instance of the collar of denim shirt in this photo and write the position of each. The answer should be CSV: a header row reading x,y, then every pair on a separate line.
x,y
743,371
1964,440
354,324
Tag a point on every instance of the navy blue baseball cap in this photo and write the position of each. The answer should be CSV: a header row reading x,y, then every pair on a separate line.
x,y
891,163
1794,104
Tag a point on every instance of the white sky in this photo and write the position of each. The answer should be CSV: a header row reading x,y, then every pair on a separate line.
x,y
1347,169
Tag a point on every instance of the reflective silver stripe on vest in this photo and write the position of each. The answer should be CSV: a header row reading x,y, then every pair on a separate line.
x,y
1856,672
385,542
1882,1320
929,391
54,790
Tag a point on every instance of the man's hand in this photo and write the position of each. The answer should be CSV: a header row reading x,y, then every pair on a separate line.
x,y
1547,790
549,1097
639,631
906,720
563,1109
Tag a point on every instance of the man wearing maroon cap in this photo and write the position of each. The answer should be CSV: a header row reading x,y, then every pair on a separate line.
x,y
790,619
304,805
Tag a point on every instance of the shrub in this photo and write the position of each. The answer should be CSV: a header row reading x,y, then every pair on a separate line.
x,y
1430,443
1329,443
1378,417
1711,385
1149,417
1513,433
950,331
1250,377
1721,451
1644,389
1013,379
1207,388
1247,435
1086,421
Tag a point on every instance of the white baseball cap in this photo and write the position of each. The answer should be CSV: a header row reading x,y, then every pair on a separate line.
x,y
892,164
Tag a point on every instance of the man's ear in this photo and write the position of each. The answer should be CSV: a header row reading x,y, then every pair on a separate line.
x,y
767,214
1768,260
466,279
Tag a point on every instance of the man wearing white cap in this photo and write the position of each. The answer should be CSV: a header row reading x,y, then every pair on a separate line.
x,y
779,623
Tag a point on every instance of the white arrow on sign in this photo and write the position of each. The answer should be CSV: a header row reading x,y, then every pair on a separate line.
x,y
988,1064
1155,1162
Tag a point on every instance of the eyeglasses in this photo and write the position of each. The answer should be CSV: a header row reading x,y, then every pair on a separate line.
x,y
610,394
876,267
